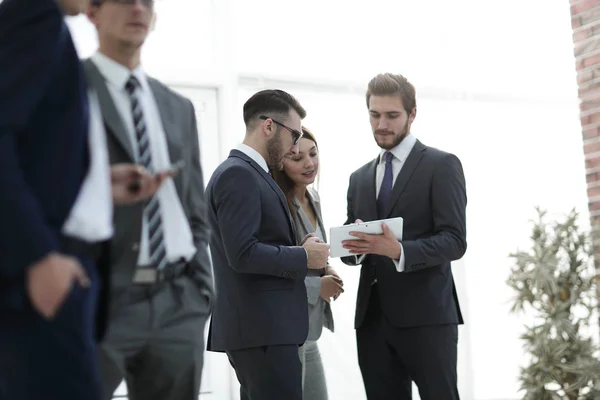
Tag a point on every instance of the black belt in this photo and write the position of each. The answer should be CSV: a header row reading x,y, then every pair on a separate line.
x,y
78,247
149,275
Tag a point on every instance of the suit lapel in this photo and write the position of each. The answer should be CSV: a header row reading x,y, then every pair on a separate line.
x,y
314,201
280,194
370,193
271,182
173,132
111,116
300,218
413,159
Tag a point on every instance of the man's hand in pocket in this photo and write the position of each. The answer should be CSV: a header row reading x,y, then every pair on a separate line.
x,y
50,280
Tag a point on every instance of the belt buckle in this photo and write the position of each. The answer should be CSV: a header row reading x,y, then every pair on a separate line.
x,y
145,276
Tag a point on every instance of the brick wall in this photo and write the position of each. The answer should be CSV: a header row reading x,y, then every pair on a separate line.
x,y
585,21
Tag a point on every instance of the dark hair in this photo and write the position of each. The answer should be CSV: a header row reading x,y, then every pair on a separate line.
x,y
285,183
271,102
391,84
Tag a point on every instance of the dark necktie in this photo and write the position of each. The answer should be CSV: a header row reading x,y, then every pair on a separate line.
x,y
152,215
385,191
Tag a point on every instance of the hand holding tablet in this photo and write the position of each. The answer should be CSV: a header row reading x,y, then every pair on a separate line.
x,y
374,238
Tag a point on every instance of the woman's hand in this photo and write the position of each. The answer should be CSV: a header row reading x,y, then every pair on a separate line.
x,y
331,286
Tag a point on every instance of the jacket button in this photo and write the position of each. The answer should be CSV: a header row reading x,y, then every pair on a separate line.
x,y
136,246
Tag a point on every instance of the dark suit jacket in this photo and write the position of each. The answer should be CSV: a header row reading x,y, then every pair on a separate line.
x,y
179,123
259,277
430,195
43,137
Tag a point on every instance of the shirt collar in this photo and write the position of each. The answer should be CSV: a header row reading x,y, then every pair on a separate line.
x,y
118,74
254,155
402,150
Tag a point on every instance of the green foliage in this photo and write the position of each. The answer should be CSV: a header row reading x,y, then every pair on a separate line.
x,y
554,281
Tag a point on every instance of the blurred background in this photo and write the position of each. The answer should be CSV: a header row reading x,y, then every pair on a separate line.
x,y
496,85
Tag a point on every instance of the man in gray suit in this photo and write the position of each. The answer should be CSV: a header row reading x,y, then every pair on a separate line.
x,y
161,285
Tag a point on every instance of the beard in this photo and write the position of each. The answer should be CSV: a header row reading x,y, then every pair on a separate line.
x,y
398,137
275,152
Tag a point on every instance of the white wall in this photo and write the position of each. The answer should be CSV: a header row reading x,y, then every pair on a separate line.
x,y
495,84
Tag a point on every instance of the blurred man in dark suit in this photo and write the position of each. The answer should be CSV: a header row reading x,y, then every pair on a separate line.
x,y
55,205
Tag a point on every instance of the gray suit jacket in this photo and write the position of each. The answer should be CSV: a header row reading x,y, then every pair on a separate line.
x,y
319,311
179,122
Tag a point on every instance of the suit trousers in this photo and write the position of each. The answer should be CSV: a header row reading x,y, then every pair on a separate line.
x,y
391,358
51,359
314,385
155,340
268,372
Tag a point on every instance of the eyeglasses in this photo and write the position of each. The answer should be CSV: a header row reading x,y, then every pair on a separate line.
x,y
146,3
296,135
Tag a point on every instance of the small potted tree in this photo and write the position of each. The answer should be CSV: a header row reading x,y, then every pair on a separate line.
x,y
554,281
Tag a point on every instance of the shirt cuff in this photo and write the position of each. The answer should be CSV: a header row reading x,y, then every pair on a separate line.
x,y
400,263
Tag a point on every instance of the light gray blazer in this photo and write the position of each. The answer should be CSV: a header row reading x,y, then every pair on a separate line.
x,y
319,311
179,122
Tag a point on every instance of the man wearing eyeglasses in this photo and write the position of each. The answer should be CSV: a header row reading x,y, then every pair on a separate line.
x,y
55,206
259,317
161,275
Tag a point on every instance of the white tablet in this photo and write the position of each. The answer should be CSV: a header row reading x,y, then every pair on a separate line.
x,y
340,233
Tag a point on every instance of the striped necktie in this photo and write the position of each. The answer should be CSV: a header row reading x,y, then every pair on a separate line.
x,y
152,214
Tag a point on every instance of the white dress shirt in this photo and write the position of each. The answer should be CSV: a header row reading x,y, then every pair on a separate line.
x,y
254,155
400,154
91,217
179,242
